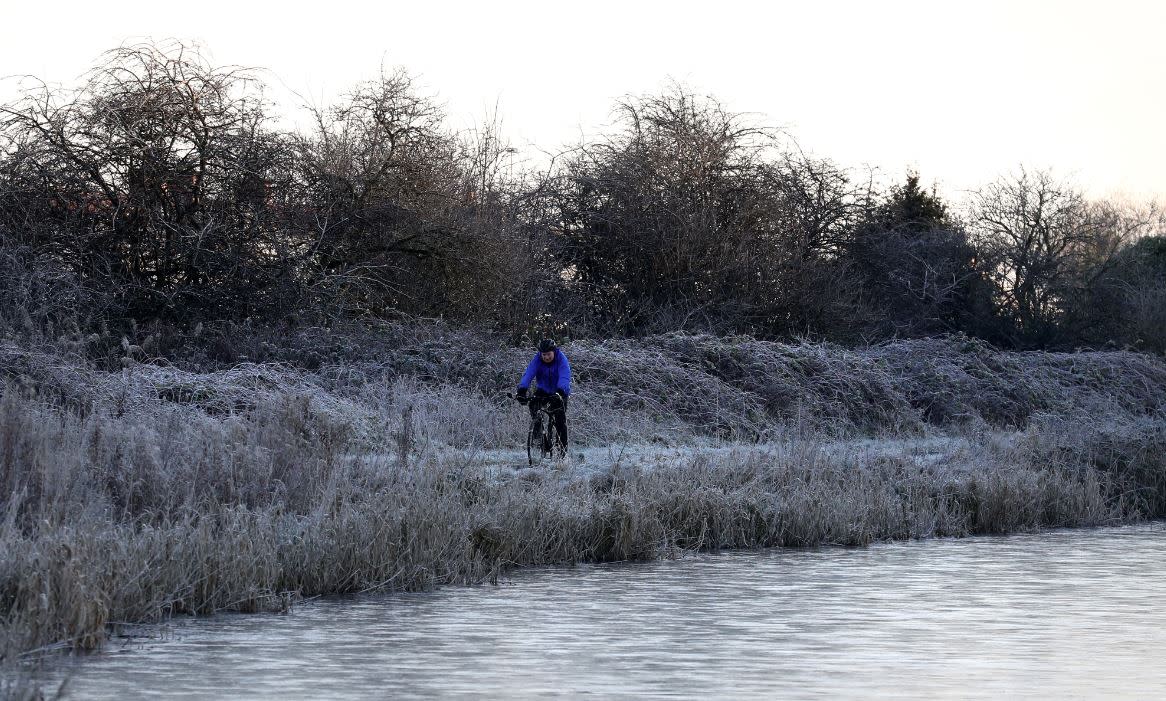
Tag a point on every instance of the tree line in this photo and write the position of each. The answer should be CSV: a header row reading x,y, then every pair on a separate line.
x,y
163,192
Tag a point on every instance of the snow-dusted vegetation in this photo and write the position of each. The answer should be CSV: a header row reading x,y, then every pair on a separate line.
x,y
219,390
388,458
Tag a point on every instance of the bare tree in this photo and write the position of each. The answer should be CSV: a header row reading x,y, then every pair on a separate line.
x,y
1120,298
688,216
153,180
402,213
654,214
1040,238
802,279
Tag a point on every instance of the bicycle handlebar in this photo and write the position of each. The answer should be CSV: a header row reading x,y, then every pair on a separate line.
x,y
544,401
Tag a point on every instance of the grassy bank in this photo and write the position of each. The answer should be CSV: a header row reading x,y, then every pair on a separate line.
x,y
388,461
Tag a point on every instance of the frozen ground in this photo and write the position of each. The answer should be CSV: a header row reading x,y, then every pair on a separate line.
x,y
589,461
159,490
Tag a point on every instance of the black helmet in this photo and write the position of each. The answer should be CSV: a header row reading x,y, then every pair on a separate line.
x,y
546,345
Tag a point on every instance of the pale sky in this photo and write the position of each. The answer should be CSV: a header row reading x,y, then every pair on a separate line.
x,y
961,91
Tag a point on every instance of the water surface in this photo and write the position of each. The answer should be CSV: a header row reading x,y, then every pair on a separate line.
x,y
1075,614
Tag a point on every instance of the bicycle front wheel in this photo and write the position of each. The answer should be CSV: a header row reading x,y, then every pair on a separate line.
x,y
539,442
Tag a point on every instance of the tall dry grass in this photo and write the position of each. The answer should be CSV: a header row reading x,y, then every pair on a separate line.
x,y
160,490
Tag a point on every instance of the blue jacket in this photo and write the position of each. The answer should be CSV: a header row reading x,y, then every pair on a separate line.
x,y
556,375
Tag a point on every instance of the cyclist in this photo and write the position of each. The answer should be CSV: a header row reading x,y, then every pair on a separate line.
x,y
552,374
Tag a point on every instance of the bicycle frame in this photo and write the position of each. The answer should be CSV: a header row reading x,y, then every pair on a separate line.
x,y
540,437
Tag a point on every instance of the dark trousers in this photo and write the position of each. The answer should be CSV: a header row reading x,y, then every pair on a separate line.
x,y
559,416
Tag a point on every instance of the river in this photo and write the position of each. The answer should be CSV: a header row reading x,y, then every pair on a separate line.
x,y
1052,615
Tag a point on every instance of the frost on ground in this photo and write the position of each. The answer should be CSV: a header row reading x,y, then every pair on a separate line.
x,y
669,389
393,461
596,461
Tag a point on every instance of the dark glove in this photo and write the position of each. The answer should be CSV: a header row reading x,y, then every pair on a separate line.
x,y
520,395
557,401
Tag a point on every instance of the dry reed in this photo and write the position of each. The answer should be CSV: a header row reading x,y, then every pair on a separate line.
x,y
157,491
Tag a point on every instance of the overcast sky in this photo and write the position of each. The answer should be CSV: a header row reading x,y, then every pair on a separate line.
x,y
961,91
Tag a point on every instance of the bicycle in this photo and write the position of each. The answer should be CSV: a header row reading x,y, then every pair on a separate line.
x,y
540,443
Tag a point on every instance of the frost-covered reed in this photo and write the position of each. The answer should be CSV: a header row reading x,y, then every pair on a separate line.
x,y
669,388
157,490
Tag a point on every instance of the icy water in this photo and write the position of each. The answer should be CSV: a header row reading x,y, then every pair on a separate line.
x,y
1068,614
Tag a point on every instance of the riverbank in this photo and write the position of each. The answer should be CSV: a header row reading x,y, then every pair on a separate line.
x,y
162,491
375,526
1071,613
